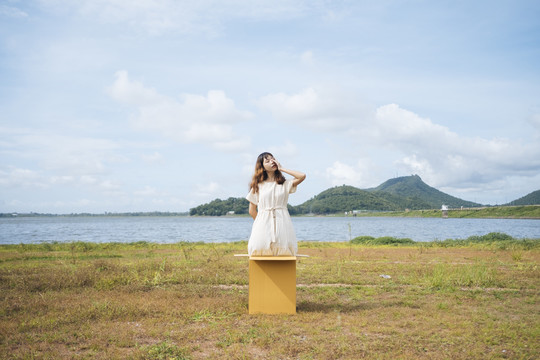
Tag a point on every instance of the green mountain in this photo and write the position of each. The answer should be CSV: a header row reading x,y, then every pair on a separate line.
x,y
345,198
530,199
418,192
404,202
408,192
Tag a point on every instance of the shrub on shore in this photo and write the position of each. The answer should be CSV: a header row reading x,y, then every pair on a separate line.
x,y
493,239
492,236
385,240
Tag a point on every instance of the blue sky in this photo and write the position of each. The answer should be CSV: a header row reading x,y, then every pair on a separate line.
x,y
117,105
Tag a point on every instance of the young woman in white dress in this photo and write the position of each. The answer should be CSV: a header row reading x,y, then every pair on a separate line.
x,y
272,232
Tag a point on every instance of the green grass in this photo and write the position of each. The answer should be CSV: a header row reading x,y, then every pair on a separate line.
x,y
443,300
494,240
510,212
164,351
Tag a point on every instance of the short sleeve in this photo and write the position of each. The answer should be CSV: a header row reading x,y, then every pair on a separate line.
x,y
289,186
252,197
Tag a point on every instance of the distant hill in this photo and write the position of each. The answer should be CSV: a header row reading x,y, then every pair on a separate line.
x,y
345,198
220,207
404,202
413,188
408,192
530,199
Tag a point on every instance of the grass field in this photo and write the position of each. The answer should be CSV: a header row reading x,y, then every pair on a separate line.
x,y
189,301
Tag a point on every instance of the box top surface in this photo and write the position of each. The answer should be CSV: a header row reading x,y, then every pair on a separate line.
x,y
272,258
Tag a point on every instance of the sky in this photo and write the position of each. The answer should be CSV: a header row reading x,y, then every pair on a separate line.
x,y
163,105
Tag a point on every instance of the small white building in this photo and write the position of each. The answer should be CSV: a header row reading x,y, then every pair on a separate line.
x,y
444,211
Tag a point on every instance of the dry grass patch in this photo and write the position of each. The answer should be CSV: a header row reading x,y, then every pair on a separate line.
x,y
189,301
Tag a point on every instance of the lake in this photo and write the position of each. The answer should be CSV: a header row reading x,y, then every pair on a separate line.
x,y
228,229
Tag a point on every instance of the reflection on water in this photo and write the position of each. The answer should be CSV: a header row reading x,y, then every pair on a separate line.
x,y
228,229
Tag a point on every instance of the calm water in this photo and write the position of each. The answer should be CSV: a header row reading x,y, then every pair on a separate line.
x,y
228,229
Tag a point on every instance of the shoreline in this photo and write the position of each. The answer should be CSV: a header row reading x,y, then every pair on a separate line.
x,y
492,240
529,212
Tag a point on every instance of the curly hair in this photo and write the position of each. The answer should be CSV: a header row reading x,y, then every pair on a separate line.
x,y
261,175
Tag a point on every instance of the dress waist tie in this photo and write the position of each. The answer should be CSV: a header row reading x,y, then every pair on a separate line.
x,y
273,213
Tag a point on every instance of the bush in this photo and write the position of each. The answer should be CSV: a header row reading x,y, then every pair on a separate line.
x,y
388,240
385,240
362,239
491,237
496,240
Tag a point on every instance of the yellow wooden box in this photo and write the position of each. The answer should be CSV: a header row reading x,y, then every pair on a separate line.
x,y
272,285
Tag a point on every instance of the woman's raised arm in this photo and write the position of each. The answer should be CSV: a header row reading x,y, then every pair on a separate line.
x,y
298,176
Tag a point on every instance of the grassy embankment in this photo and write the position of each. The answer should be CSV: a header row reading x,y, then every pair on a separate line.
x,y
471,299
496,212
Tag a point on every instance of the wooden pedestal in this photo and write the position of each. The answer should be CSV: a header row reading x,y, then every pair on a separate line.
x,y
272,285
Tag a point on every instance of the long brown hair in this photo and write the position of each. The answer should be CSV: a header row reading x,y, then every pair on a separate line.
x,y
261,175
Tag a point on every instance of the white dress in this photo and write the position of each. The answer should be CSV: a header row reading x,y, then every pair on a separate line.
x,y
272,232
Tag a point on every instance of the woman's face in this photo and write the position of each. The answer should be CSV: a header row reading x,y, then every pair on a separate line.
x,y
269,164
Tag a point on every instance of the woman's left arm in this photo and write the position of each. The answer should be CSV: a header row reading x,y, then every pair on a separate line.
x,y
298,176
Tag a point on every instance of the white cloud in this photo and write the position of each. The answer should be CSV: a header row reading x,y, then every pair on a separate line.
x,y
191,119
36,179
19,177
248,164
111,187
443,157
154,158
534,120
359,175
307,57
149,191
207,190
152,16
397,125
88,180
63,154
101,185
132,92
184,16
49,206
62,180
12,12
70,155
58,163
419,146
413,165
340,173
286,150
316,108
239,144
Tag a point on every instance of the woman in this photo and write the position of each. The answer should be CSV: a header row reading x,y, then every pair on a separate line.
x,y
272,232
